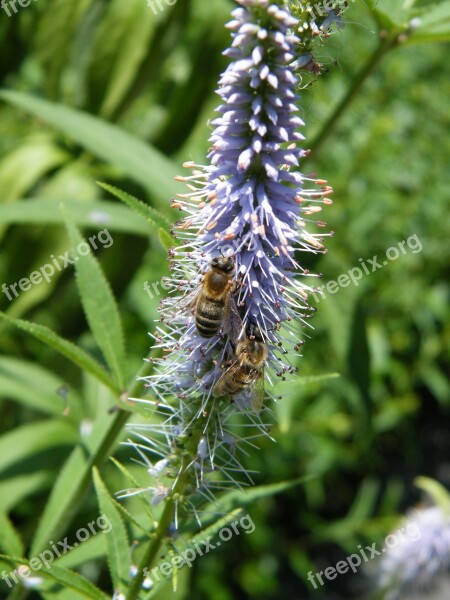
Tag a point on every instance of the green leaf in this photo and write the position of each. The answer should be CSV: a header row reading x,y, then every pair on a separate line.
x,y
433,25
33,386
23,167
129,477
151,215
137,159
429,23
10,541
15,489
215,527
391,14
27,440
92,214
437,492
239,499
166,240
75,478
117,539
53,39
100,308
92,549
66,578
66,348
337,313
358,361
121,45
307,380
61,594
60,503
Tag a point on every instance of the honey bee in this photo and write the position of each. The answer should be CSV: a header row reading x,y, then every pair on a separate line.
x,y
246,373
213,303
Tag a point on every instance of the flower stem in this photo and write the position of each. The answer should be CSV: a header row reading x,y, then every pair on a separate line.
x,y
152,549
383,47
166,517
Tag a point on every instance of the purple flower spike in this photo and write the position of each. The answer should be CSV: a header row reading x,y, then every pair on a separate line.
x,y
250,203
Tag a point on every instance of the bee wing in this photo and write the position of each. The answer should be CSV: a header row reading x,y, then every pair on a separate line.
x,y
187,302
233,324
230,371
257,392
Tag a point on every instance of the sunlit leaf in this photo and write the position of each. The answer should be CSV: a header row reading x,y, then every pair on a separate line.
x,y
100,307
64,577
10,540
34,386
68,349
152,216
118,50
27,440
437,492
117,538
137,159
15,489
97,214
60,503
23,167
433,25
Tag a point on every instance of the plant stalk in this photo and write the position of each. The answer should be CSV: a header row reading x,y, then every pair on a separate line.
x,y
166,518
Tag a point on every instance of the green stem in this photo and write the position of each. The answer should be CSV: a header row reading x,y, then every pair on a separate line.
x,y
166,518
383,47
152,549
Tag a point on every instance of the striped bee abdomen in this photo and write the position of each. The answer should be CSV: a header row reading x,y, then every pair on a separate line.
x,y
209,316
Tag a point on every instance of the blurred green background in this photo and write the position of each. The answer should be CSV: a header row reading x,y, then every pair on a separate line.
x,y
363,436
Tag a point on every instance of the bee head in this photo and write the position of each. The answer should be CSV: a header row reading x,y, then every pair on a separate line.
x,y
223,263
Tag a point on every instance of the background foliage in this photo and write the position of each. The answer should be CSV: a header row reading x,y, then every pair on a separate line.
x,y
96,90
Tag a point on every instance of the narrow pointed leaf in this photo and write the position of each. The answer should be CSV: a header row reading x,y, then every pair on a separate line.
x,y
75,478
238,499
433,25
68,349
32,385
10,541
166,240
128,516
151,215
27,440
117,539
61,594
437,492
15,489
68,579
100,308
93,214
92,549
137,159
60,503
25,166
